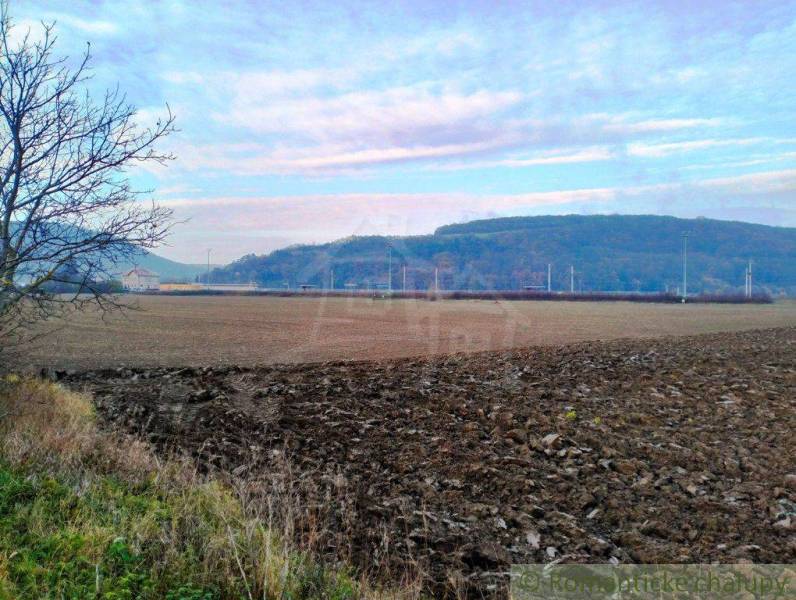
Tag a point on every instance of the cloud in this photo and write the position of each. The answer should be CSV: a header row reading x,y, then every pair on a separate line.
x,y
243,224
22,28
389,201
588,155
585,155
770,182
184,77
757,159
398,112
259,86
91,26
373,156
354,130
659,150
620,125
289,100
323,160
351,134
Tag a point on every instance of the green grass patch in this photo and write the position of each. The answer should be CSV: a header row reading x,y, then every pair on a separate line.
x,y
59,542
102,540
86,514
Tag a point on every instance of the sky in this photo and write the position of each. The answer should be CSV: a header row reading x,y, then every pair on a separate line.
x,y
304,122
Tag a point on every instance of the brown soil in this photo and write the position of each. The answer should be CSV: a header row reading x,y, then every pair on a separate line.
x,y
670,450
251,331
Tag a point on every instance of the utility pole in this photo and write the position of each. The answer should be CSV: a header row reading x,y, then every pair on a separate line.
x,y
749,280
404,276
436,279
389,267
571,279
549,274
685,266
331,279
209,250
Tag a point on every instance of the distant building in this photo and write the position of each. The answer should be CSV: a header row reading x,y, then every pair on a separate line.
x,y
140,280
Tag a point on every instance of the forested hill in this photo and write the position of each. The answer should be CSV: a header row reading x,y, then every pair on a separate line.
x,y
608,252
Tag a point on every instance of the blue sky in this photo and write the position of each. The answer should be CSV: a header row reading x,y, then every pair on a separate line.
x,y
310,121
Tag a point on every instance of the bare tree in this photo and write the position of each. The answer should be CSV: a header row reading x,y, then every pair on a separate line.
x,y
68,214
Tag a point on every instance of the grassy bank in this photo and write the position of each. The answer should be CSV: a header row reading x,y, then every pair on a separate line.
x,y
85,513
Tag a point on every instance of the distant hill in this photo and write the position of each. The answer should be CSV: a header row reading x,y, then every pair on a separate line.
x,y
609,253
168,270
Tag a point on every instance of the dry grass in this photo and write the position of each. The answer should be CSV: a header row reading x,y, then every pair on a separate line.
x,y
178,331
137,526
48,426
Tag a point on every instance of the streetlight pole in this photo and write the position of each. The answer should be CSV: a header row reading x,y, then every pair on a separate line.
x,y
209,250
685,266
389,267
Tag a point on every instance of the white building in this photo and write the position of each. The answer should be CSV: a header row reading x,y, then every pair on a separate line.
x,y
140,280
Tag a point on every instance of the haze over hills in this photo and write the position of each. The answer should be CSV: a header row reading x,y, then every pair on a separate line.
x,y
169,270
609,253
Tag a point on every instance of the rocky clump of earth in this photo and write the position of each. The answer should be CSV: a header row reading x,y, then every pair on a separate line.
x,y
652,451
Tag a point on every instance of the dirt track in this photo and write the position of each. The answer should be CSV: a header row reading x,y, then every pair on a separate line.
x,y
671,450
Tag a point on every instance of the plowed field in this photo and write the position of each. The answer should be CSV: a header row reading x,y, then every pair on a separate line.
x,y
249,331
664,450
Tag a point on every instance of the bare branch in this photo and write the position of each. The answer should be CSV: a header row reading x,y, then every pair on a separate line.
x,y
68,215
